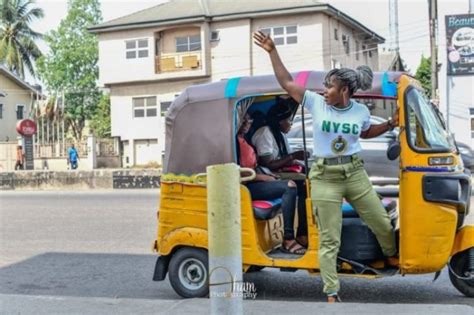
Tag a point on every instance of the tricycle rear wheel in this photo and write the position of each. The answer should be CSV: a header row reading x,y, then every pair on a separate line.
x,y
459,272
188,272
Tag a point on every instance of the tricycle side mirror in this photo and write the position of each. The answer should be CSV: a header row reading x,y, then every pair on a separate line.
x,y
393,151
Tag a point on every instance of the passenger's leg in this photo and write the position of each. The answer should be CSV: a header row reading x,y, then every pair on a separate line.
x,y
278,189
362,196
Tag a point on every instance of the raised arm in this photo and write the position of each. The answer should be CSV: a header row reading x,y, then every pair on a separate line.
x,y
283,76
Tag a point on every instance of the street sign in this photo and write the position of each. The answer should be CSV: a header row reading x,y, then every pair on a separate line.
x,y
27,128
460,44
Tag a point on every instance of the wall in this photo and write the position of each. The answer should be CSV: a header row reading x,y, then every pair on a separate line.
x,y
115,68
79,180
16,95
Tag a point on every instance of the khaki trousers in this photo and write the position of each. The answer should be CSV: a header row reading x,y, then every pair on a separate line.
x,y
329,185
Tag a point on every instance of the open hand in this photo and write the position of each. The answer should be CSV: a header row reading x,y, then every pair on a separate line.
x,y
395,118
264,41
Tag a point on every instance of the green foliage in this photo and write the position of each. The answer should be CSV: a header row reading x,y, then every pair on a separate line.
x,y
18,49
71,65
423,74
100,122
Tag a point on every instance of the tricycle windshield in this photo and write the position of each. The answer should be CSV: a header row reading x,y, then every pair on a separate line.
x,y
424,129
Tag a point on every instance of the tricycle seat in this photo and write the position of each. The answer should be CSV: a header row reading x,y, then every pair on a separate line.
x,y
266,209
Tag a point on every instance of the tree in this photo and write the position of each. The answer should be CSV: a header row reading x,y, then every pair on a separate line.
x,y
100,122
18,49
423,74
71,65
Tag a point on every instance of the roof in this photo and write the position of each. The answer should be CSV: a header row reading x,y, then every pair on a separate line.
x,y
189,11
391,61
17,80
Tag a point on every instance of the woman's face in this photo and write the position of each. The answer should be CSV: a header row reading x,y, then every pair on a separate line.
x,y
334,94
246,124
285,125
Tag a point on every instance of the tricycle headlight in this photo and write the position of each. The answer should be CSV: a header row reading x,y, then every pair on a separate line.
x,y
441,160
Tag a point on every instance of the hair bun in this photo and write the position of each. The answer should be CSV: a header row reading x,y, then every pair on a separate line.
x,y
365,77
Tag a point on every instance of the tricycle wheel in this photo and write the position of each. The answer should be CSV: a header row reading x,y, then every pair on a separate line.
x,y
188,272
459,273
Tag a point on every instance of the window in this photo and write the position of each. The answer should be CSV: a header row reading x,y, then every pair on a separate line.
x,y
20,111
1,111
335,64
144,107
164,108
345,42
188,43
282,35
336,36
136,48
357,50
425,130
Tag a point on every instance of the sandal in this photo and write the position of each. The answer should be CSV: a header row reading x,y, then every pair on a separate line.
x,y
294,248
302,240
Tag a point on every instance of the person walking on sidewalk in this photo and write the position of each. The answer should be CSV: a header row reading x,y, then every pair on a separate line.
x,y
73,157
20,158
337,171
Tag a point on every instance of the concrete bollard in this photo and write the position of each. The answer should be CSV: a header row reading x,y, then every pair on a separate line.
x,y
225,238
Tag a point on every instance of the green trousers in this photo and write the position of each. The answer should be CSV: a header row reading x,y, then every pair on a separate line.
x,y
329,185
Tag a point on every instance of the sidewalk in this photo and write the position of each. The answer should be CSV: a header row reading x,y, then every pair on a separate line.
x,y
24,304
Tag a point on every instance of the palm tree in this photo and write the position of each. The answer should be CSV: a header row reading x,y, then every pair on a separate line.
x,y
18,49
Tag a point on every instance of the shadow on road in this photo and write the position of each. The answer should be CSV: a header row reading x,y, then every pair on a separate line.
x,y
130,276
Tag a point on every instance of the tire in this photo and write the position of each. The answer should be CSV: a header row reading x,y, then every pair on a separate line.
x,y
188,272
459,265
255,268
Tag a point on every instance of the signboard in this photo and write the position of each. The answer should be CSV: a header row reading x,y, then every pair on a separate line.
x,y
460,44
27,128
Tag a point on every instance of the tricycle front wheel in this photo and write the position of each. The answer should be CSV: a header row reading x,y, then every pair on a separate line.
x,y
188,272
460,273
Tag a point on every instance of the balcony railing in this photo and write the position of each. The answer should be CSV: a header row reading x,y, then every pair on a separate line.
x,y
172,62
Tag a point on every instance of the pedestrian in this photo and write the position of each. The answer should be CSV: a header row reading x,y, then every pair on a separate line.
x,y
337,172
20,158
73,157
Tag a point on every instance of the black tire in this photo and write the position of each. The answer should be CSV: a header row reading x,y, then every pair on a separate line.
x,y
255,268
188,272
459,264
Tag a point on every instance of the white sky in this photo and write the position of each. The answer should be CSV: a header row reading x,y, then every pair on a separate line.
x,y
413,19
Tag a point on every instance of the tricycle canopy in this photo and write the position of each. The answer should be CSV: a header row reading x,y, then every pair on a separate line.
x,y
202,122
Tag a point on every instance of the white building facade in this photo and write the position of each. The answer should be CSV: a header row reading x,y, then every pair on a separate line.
x,y
146,59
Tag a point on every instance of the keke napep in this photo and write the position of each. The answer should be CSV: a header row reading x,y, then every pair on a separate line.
x,y
434,189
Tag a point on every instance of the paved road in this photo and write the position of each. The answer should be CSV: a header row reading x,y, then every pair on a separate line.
x,y
98,244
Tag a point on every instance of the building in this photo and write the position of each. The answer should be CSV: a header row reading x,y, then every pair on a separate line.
x,y
148,57
16,100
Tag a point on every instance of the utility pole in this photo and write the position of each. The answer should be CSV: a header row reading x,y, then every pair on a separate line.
x,y
433,16
393,22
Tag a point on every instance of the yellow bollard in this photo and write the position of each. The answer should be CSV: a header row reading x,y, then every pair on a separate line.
x,y
225,239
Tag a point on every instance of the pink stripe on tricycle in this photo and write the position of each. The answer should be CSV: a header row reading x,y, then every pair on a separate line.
x,y
302,78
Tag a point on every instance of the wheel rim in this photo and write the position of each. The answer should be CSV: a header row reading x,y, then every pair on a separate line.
x,y
192,274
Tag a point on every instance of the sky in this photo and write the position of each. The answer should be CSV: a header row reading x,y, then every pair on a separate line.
x,y
374,14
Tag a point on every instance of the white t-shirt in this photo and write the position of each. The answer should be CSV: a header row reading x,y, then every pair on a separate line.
x,y
265,143
336,132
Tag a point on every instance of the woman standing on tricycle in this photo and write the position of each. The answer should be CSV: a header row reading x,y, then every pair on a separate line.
x,y
337,171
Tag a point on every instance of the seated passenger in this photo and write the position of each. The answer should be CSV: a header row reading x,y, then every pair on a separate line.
x,y
267,187
274,153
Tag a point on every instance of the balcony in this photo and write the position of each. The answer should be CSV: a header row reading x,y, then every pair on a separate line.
x,y
173,62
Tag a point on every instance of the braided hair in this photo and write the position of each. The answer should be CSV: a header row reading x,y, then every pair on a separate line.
x,y
361,78
277,113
